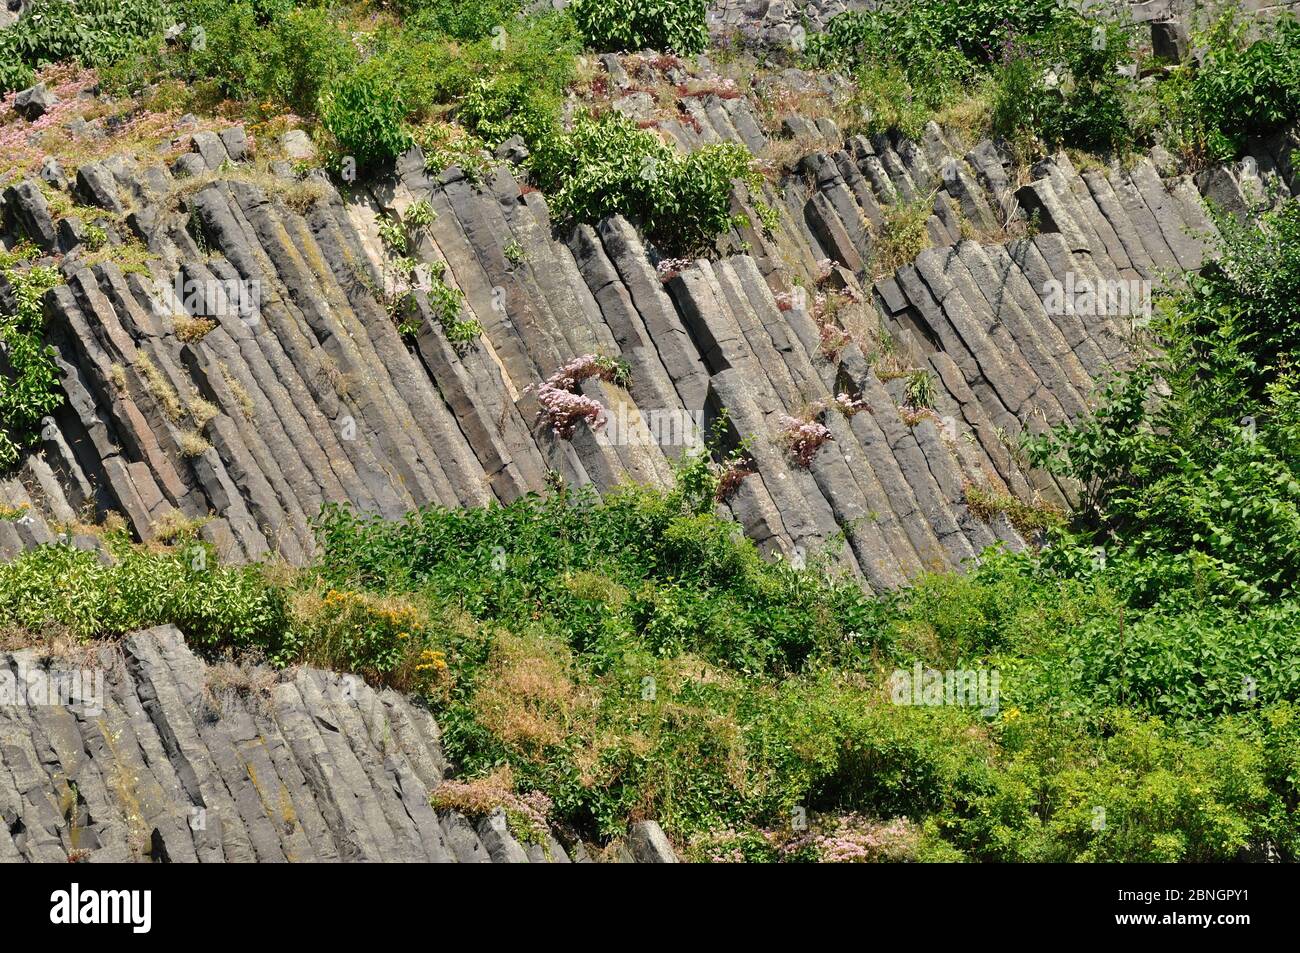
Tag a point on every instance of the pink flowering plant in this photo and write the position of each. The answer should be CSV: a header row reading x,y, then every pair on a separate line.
x,y
848,405
710,474
729,846
822,307
563,408
734,471
803,438
670,268
122,125
832,339
20,140
849,839
831,839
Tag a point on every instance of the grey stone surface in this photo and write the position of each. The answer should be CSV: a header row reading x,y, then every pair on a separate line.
x,y
297,145
168,762
319,398
649,844
1169,40
34,102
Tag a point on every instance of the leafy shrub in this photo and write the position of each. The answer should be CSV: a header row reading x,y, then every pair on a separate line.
x,y
383,638
607,166
1202,487
459,19
1140,794
668,26
92,32
1064,86
1242,88
264,54
29,385
979,29
675,562
534,58
1053,72
596,659
298,57
496,109
445,145
217,606
902,236
890,98
366,115
447,303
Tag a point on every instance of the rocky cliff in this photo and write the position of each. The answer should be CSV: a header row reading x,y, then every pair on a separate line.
x,y
226,345
774,22
155,756
306,392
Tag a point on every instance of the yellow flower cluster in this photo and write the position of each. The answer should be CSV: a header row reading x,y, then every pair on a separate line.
x,y
336,599
405,619
432,660
8,512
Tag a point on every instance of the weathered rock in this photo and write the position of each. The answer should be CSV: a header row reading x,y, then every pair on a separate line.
x,y
319,398
171,762
30,212
34,102
1169,40
297,145
649,844
512,150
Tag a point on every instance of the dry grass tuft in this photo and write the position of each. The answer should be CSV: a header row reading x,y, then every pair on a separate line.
x,y
527,697
248,680
193,444
169,402
202,412
190,329
902,237
175,527
240,392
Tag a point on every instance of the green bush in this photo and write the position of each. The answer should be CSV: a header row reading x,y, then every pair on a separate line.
x,y
496,109
1053,72
92,32
632,656
216,606
1140,793
667,26
1242,89
299,56
257,53
366,115
608,166
459,19
891,98
690,584
979,29
29,378
533,61
1081,99
1202,487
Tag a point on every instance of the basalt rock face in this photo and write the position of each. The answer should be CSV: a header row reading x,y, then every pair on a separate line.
x,y
785,24
248,369
162,758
